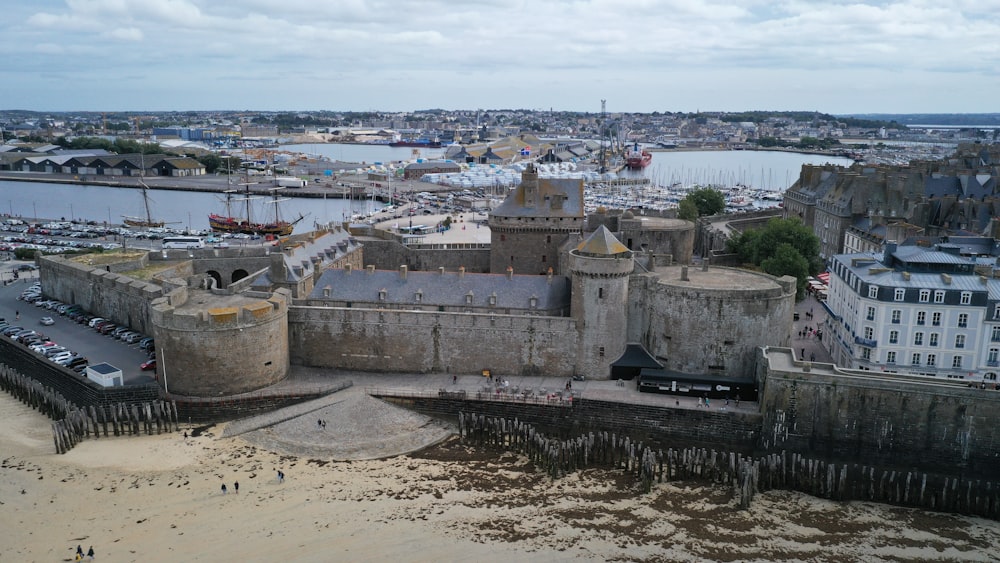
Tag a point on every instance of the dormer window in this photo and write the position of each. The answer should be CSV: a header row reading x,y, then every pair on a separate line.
x,y
419,296
493,300
468,298
533,302
382,294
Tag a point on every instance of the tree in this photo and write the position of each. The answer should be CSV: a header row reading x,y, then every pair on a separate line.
x,y
770,248
786,261
687,210
708,201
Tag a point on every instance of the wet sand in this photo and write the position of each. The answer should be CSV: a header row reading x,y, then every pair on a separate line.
x,y
158,498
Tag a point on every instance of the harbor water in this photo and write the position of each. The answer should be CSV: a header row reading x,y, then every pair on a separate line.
x,y
185,209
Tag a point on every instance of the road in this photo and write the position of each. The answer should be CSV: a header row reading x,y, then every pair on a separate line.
x,y
78,338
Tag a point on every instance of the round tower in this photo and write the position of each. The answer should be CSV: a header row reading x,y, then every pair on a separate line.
x,y
600,268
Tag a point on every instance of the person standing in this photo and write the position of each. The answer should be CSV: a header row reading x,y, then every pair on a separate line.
x,y
224,488
236,487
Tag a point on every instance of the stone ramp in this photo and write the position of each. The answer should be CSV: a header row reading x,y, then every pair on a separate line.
x,y
251,423
358,427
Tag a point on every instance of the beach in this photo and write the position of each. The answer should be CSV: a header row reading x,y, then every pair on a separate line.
x,y
159,498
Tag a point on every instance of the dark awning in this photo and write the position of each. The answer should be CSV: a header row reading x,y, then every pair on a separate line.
x,y
632,361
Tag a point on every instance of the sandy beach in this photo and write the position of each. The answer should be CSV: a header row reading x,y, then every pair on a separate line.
x,y
159,499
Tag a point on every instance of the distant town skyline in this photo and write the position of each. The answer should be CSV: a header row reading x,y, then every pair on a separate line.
x,y
838,57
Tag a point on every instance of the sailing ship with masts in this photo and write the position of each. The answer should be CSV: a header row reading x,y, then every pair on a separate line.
x,y
229,223
147,221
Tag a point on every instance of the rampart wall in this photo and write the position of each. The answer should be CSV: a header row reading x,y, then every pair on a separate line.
x,y
122,299
431,342
874,419
390,255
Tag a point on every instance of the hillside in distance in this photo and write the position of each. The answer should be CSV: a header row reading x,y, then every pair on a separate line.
x,y
954,119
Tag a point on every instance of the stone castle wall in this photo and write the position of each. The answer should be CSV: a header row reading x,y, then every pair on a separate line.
x,y
674,237
875,419
390,255
223,350
119,298
431,342
696,329
530,245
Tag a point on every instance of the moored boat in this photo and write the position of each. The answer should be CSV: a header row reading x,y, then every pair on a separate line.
x,y
229,223
637,158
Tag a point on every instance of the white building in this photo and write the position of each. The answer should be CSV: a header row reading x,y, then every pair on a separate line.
x,y
928,309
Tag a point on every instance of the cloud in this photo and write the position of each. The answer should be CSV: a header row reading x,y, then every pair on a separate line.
x,y
557,49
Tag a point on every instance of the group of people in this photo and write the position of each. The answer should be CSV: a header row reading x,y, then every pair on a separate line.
x,y
80,555
236,487
321,424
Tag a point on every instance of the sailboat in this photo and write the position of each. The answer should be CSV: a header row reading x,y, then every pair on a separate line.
x,y
147,221
229,223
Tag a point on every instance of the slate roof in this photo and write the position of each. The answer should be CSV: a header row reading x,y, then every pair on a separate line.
x,y
602,243
443,289
569,188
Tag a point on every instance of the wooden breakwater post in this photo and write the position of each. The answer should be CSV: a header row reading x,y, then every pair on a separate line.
x,y
745,476
132,419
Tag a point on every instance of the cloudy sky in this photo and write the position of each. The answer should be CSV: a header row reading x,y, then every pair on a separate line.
x,y
834,56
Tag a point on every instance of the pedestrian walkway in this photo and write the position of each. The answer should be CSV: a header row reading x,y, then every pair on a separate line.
x,y
809,331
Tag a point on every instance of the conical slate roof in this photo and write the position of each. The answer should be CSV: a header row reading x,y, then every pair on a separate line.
x,y
602,243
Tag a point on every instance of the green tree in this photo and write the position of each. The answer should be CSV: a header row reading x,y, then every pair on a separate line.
x,y
786,261
211,161
708,201
770,249
687,210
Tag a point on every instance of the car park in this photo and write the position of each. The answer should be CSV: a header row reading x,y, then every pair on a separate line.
x,y
47,321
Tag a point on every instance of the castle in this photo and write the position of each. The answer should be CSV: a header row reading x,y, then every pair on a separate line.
x,y
561,299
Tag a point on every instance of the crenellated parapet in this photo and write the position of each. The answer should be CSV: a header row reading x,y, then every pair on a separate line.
x,y
210,345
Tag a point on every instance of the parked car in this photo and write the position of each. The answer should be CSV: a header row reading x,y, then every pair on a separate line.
x,y
148,366
94,321
147,344
118,332
107,328
47,321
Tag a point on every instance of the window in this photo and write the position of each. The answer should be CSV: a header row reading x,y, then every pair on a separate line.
x,y
918,339
893,337
895,316
963,320
932,359
995,336
899,294
871,314
600,293
543,258
966,298
991,358
921,317
936,319
996,311
869,332
925,295
600,351
873,291
939,296
866,354
890,357
956,362
548,238
959,341
915,359
934,339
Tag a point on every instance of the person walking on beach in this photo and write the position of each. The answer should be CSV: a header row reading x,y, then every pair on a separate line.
x,y
224,488
90,553
281,476
79,552
236,487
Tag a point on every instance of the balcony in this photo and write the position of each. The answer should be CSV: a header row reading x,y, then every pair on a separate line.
x,y
866,342
992,363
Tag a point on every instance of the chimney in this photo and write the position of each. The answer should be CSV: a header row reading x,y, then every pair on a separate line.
x,y
983,280
402,272
371,269
906,276
461,272
510,272
347,268
441,270
684,273
548,275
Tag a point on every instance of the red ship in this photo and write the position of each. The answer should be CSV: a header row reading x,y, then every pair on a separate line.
x,y
230,224
636,158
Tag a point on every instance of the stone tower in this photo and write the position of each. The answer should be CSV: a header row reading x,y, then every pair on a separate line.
x,y
600,268
529,227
